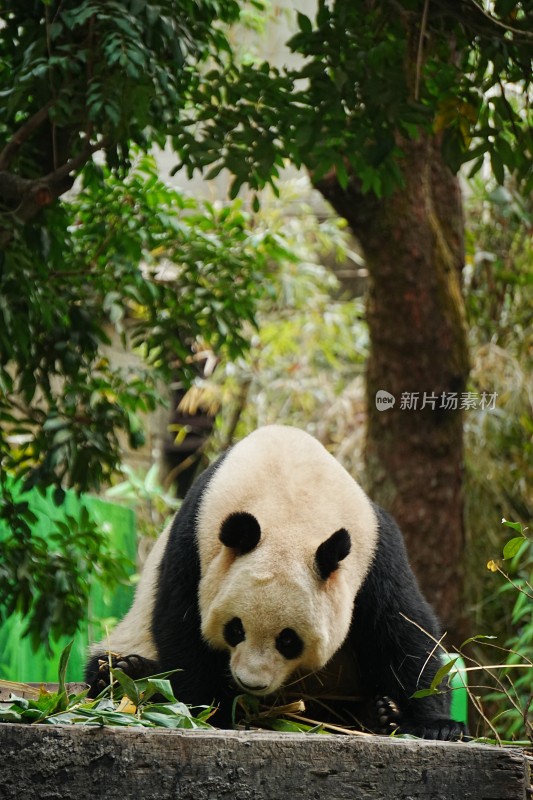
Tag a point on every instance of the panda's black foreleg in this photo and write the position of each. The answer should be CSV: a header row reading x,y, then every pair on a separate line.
x,y
98,674
447,730
389,719
395,637
399,713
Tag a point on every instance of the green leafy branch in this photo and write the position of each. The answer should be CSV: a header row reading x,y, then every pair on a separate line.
x,y
513,549
502,695
125,703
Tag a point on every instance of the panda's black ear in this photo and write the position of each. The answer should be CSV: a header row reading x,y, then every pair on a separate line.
x,y
331,552
241,531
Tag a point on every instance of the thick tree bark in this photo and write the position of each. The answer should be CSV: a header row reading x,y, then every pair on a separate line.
x,y
413,245
74,762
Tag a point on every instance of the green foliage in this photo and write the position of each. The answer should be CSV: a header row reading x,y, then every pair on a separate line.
x,y
372,76
125,257
499,271
48,564
144,493
435,687
126,252
502,696
127,703
129,258
498,441
498,676
515,717
169,275
115,69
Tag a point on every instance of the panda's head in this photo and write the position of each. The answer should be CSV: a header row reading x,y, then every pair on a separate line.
x,y
272,613
286,538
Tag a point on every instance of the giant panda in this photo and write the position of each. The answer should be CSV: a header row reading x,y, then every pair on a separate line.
x,y
278,574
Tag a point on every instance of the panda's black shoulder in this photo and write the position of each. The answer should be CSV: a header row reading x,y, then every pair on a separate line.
x,y
391,554
390,583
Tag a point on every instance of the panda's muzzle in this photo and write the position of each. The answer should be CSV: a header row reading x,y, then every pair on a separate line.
x,y
256,689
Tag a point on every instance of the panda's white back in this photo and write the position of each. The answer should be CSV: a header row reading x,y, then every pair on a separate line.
x,y
296,489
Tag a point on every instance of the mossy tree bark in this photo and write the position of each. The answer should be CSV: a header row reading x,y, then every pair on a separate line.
x,y
413,245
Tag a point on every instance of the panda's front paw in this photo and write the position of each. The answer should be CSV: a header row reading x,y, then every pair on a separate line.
x,y
447,730
387,716
133,665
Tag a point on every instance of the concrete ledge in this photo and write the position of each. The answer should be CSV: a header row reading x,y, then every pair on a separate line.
x,y
63,762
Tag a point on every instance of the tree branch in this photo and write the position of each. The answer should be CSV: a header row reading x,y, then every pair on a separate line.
x,y
27,196
473,17
420,49
73,164
350,202
24,132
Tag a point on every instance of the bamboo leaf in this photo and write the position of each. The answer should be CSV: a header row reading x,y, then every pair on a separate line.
x,y
512,547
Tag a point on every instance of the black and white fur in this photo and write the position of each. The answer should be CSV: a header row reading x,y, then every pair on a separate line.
x,y
278,566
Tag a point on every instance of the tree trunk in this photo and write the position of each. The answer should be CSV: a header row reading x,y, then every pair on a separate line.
x,y
413,245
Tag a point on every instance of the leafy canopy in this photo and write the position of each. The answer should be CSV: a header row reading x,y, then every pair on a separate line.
x,y
372,75
168,275
79,77
76,78
125,256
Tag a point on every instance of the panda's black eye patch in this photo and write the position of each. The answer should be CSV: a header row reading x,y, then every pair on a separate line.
x,y
289,644
234,632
